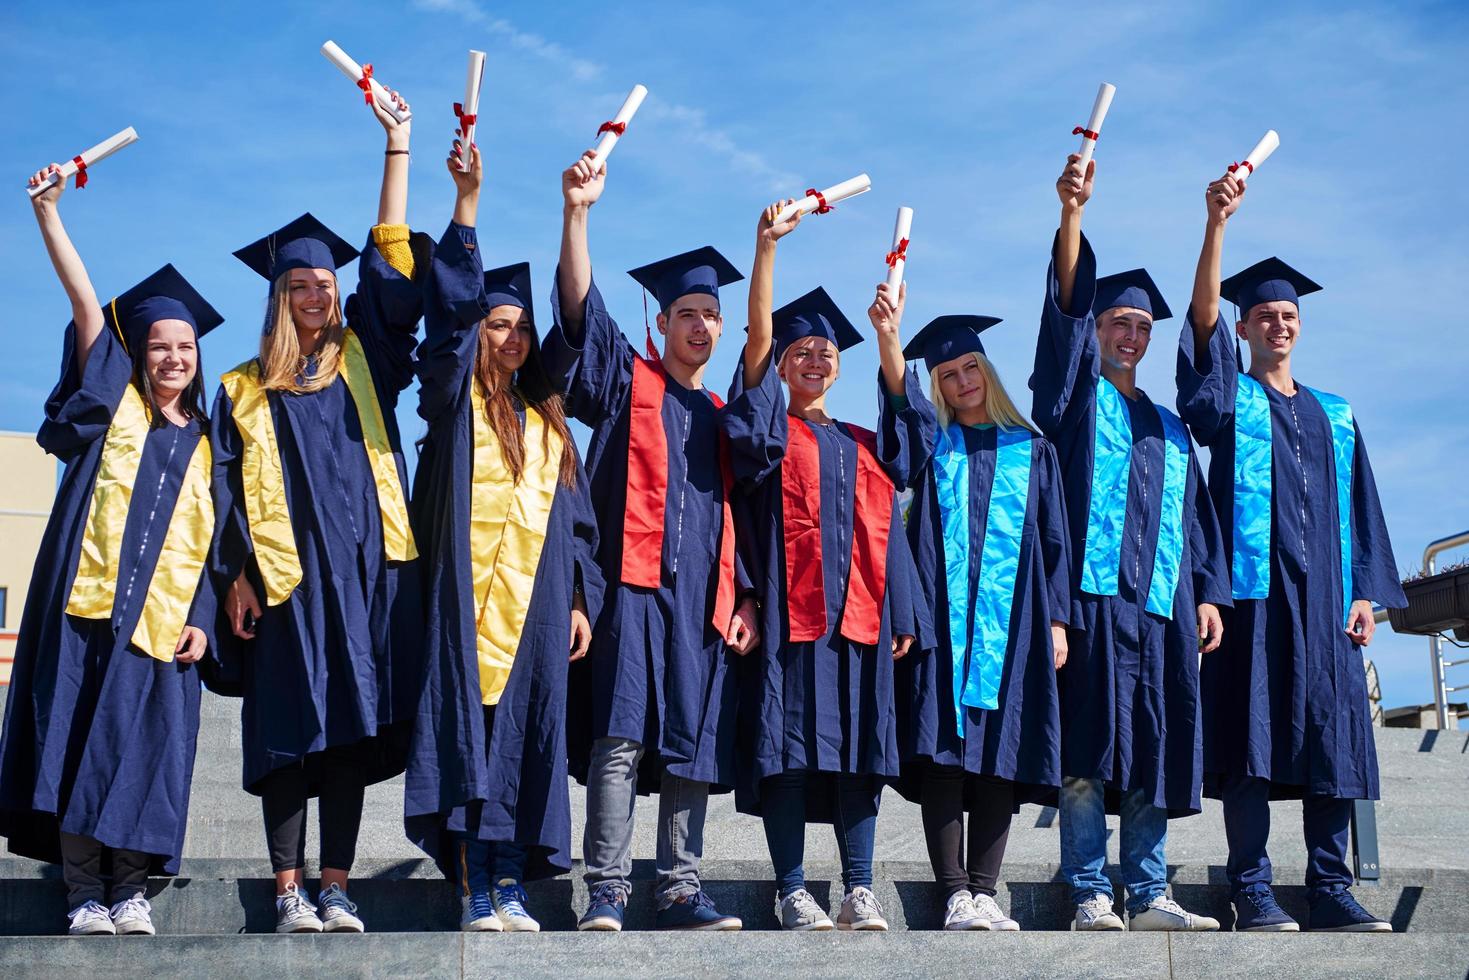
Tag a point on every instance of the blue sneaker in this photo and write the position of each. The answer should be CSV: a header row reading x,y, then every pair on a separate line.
x,y
696,913
1255,910
479,913
510,902
604,909
1338,911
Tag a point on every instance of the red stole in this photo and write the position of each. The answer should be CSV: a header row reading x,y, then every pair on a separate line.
x,y
800,486
647,493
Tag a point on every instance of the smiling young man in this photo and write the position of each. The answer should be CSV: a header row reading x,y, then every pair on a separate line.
x,y
1149,578
1285,699
657,691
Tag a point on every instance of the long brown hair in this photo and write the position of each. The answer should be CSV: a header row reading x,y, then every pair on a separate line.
x,y
282,366
534,388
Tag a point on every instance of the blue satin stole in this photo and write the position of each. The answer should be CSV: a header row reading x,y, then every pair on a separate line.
x,y
1107,508
980,643
1252,486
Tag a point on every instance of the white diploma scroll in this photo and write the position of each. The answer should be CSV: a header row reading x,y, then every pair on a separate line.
x,y
468,111
898,255
823,200
101,151
613,128
1268,144
1094,124
355,72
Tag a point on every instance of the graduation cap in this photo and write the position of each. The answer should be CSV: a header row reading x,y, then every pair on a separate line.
x,y
508,286
812,315
1265,282
165,295
1135,289
948,337
703,270
305,243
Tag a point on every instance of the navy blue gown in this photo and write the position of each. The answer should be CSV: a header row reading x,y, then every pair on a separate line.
x,y
336,664
658,672
1019,739
1130,712
99,737
508,784
826,705
1285,696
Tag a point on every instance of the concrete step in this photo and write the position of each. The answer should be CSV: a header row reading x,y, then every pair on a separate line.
x,y
1015,956
225,897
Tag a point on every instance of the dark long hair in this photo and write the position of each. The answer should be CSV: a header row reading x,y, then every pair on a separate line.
x,y
191,401
533,386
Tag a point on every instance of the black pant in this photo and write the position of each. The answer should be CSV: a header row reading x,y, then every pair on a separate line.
x,y
943,826
81,869
339,812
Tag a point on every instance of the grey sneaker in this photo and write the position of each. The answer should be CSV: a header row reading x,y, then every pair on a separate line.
x,y
90,919
133,917
961,915
988,910
337,913
798,912
861,911
1163,914
1096,915
294,913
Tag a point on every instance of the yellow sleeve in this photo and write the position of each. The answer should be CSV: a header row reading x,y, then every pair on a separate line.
x,y
392,245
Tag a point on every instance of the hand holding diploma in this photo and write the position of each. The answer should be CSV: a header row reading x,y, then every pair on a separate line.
x,y
78,164
611,130
897,256
1093,129
820,202
361,76
1268,144
467,111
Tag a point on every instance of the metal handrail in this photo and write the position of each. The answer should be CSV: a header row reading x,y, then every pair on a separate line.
x,y
1435,643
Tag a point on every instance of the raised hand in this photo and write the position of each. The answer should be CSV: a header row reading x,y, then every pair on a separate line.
x,y
466,181
51,194
1224,196
1074,187
397,131
886,311
581,185
770,230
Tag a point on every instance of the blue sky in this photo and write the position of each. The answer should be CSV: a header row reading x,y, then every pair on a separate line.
x,y
962,111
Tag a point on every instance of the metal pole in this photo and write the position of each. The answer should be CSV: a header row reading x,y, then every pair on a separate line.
x,y
1435,645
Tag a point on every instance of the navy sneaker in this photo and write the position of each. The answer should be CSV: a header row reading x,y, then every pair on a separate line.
x,y
604,909
1255,910
1338,911
696,913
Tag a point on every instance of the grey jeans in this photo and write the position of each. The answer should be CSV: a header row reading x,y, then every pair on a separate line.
x,y
81,869
612,783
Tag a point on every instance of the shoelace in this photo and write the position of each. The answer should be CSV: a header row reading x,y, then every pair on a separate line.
x,y
987,907
1097,906
699,900
1168,905
512,898
480,906
864,903
1264,902
804,904
336,900
89,910
137,905
294,904
606,894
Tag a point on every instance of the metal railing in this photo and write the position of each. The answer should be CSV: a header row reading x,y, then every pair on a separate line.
x,y
1436,663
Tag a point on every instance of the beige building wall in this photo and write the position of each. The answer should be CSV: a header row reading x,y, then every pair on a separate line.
x,y
27,489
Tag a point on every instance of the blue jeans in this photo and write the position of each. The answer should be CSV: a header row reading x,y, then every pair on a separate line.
x,y
482,863
1084,843
854,819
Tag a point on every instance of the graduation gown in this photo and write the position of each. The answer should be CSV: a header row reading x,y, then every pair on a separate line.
x,y
337,663
509,783
825,705
99,737
658,673
1285,696
1130,688
1019,739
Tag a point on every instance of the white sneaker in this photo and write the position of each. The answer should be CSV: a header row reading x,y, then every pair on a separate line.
x,y
337,913
961,915
479,914
1163,914
509,899
90,919
861,911
293,913
799,912
988,909
133,917
1096,915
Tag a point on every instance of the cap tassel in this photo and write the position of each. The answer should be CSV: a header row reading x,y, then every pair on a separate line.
x,y
653,354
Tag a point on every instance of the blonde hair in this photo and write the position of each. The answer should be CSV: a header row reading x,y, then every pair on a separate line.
x,y
997,403
282,365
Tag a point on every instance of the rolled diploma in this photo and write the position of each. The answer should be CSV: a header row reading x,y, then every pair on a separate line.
x,y
1268,144
353,71
900,232
630,106
101,151
859,184
472,82
1094,124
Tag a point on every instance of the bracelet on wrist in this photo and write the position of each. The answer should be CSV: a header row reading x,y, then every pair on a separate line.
x,y
394,153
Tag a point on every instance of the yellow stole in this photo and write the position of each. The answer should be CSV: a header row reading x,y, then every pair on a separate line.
x,y
263,480
507,531
170,590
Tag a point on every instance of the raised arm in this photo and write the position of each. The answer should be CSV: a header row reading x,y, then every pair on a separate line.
x,y
762,290
392,202
1074,188
85,311
1223,198
886,314
581,187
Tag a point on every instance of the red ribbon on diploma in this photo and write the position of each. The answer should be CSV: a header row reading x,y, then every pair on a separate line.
x,y
899,254
365,83
1249,167
821,206
81,172
1081,131
612,127
465,119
